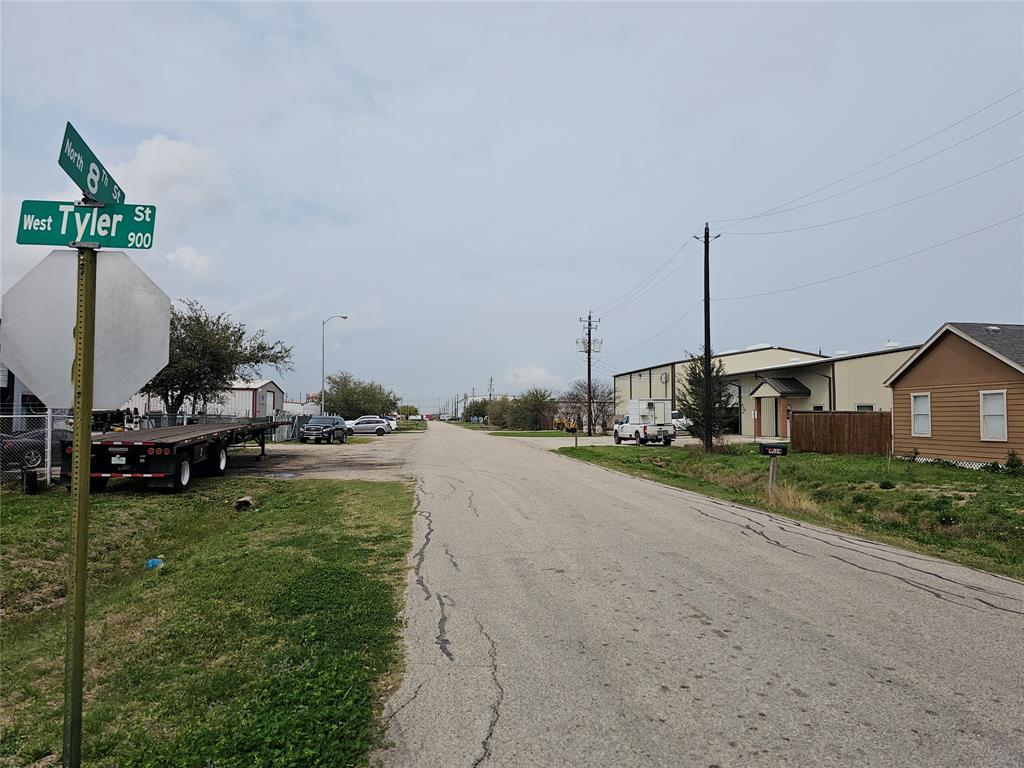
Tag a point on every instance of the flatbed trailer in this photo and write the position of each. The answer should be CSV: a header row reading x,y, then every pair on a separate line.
x,y
166,457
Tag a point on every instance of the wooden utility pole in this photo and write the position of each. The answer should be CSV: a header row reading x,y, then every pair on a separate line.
x,y
589,344
708,441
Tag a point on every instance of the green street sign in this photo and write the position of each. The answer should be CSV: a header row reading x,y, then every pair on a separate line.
x,y
45,222
86,170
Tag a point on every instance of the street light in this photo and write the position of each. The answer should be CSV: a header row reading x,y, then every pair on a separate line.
x,y
323,356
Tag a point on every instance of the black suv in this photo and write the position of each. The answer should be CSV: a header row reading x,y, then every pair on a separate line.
x,y
324,429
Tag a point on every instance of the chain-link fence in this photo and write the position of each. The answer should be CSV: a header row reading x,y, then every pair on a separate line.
x,y
32,441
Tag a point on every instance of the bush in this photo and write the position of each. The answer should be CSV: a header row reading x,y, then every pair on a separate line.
x,y
887,485
1014,464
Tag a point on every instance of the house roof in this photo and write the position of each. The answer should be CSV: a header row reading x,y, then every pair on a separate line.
x,y
786,386
254,384
1003,341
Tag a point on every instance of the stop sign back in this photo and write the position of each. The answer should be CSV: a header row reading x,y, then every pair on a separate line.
x,y
133,319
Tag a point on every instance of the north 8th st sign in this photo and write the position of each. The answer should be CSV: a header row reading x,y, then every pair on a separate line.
x,y
46,222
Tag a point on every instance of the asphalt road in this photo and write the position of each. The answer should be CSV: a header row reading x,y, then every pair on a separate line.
x,y
558,614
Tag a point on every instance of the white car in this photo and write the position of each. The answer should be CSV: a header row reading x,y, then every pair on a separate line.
x,y
368,425
680,422
392,421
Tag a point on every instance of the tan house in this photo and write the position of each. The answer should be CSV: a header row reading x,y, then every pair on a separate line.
x,y
961,395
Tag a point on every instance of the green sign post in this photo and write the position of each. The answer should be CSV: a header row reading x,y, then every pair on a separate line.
x,y
46,222
86,170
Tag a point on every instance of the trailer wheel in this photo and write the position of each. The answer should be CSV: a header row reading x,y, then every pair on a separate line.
x,y
183,473
98,484
220,464
616,439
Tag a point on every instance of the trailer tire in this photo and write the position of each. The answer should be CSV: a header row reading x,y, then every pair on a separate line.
x,y
220,460
98,484
616,439
182,473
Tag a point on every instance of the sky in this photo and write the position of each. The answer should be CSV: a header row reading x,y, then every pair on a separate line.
x,y
465,181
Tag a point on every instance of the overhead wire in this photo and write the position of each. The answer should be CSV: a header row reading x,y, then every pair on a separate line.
x,y
642,282
739,219
884,207
626,301
656,335
775,212
869,267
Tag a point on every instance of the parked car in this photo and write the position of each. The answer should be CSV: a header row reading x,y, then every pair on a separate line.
x,y
368,425
391,420
647,421
28,449
324,429
680,422
415,417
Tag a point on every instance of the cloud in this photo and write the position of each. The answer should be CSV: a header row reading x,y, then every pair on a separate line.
x,y
531,375
183,180
189,259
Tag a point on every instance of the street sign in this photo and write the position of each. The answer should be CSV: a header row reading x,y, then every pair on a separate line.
x,y
132,329
46,222
86,170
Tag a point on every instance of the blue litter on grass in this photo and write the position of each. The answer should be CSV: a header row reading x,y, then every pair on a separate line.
x,y
154,562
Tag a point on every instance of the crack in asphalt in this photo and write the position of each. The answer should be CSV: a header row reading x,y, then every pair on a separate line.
x,y
442,628
941,594
874,555
750,528
421,553
498,699
451,557
394,712
472,505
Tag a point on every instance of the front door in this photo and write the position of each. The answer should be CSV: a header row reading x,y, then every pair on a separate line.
x,y
769,417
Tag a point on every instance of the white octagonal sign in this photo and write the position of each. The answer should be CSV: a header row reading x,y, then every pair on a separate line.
x,y
133,319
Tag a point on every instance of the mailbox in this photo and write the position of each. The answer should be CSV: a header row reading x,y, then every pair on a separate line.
x,y
774,449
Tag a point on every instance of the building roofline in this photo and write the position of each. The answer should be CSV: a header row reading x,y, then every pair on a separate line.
x,y
715,357
825,360
951,328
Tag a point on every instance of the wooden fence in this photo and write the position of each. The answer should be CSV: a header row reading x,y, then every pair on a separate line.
x,y
842,431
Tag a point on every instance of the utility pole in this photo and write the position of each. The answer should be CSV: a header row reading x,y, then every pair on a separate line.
x,y
588,344
707,336
490,389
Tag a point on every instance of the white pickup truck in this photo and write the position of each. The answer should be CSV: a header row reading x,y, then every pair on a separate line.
x,y
646,421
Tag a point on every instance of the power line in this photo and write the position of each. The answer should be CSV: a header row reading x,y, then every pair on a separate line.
x,y
656,335
645,280
883,208
870,267
629,298
868,167
776,212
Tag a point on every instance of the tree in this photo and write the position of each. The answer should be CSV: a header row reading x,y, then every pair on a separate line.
x,y
574,403
351,398
498,411
408,410
208,353
475,408
690,397
533,409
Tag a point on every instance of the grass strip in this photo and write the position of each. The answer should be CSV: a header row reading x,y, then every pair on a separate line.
x,y
968,516
266,639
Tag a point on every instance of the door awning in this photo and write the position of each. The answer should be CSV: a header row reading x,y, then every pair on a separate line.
x,y
781,387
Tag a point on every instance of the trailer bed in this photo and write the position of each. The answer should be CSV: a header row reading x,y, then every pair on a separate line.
x,y
165,457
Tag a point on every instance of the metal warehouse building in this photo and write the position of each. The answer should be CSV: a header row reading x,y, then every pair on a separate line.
x,y
770,383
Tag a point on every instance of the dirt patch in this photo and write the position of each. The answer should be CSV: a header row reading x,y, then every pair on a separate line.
x,y
380,459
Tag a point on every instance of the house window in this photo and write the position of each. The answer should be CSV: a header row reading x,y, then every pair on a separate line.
x,y
865,407
993,415
921,415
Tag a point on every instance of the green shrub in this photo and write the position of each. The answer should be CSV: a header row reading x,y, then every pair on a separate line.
x,y
887,485
1014,464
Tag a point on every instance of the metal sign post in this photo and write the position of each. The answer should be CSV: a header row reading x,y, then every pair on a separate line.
x,y
81,449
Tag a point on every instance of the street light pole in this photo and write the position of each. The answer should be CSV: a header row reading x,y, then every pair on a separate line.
x,y
323,356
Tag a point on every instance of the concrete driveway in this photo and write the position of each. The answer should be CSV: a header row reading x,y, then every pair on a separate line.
x,y
558,614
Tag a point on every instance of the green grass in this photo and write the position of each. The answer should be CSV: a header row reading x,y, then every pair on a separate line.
x,y
267,639
360,439
468,425
411,426
535,433
968,516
